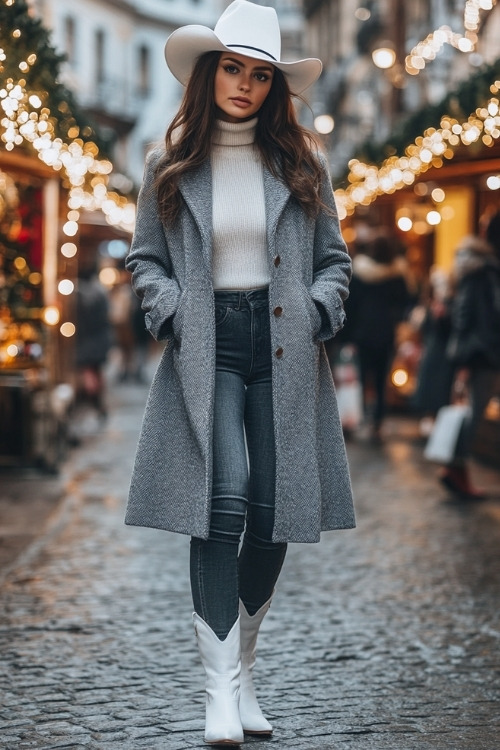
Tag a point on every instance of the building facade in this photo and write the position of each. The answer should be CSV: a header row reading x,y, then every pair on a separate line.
x,y
116,66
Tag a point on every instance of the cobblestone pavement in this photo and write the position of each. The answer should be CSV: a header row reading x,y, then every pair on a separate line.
x,y
381,638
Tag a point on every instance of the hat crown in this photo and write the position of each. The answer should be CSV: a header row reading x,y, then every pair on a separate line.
x,y
247,26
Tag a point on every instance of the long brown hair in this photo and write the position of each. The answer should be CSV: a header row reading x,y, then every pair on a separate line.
x,y
287,148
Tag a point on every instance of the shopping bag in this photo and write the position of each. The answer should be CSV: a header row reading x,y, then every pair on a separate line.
x,y
350,403
348,387
443,439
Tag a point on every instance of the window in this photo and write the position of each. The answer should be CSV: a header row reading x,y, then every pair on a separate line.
x,y
70,40
144,71
99,57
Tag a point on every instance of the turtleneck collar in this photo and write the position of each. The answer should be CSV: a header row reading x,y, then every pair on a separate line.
x,y
234,133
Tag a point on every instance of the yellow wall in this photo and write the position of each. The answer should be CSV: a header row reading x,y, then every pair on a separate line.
x,y
457,222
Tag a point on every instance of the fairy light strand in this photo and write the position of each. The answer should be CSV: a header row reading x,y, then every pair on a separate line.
x,y
25,119
367,181
427,50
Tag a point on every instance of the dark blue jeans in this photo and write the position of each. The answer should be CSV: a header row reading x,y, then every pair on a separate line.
x,y
244,469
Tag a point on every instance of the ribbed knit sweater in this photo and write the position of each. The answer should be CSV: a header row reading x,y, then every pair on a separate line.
x,y
239,218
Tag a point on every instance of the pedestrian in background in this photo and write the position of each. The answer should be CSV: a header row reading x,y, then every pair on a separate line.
x,y
93,339
435,371
379,298
120,297
474,346
131,337
241,267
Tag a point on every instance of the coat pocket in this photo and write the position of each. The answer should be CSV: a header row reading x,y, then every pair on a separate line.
x,y
313,312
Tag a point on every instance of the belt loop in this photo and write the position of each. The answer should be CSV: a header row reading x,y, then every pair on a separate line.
x,y
240,294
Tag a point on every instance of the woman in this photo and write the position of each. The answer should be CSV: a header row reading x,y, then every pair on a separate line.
x,y
94,339
241,268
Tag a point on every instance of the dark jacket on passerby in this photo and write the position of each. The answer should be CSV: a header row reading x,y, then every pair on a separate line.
x,y
475,336
93,327
378,299
435,370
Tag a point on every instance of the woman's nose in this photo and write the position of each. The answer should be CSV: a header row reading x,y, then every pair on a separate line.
x,y
245,84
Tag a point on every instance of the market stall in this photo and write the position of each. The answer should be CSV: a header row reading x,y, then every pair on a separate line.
x,y
35,354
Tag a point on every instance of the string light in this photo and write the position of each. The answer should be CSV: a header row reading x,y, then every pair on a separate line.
x,y
51,315
25,119
66,287
426,50
68,329
69,250
367,181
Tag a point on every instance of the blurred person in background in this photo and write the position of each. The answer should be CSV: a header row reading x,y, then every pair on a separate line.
x,y
435,371
380,295
142,340
474,345
93,339
130,334
120,297
241,267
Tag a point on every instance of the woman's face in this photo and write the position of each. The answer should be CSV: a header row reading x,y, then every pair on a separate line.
x,y
241,86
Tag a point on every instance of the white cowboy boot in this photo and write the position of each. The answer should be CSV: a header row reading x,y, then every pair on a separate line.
x,y
252,718
221,660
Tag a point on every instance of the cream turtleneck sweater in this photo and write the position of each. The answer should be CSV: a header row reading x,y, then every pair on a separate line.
x,y
239,218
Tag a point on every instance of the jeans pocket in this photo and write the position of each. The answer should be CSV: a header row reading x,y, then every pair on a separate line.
x,y
221,314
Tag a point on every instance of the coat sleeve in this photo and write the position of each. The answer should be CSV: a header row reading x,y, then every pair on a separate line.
x,y
332,267
149,260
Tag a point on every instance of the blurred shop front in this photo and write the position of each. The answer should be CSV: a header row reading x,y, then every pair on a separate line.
x,y
36,328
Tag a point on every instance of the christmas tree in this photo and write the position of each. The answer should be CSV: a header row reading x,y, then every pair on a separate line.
x,y
29,60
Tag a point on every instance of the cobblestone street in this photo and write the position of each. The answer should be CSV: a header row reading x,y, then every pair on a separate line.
x,y
381,638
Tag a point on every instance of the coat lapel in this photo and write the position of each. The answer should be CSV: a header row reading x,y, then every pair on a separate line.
x,y
276,195
196,189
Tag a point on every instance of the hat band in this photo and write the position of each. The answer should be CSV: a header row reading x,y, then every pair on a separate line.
x,y
256,49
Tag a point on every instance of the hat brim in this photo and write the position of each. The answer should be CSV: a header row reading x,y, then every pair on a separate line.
x,y
185,45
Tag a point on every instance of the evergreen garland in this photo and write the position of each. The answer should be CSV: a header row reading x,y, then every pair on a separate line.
x,y
43,76
460,103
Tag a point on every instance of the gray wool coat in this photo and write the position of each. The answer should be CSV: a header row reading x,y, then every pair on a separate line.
x,y
171,273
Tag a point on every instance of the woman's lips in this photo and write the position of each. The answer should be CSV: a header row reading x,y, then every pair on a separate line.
x,y
243,103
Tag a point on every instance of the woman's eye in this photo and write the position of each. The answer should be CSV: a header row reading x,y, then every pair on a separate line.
x,y
262,77
230,68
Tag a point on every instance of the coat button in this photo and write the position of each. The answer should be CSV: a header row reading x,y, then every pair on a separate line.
x,y
277,260
278,311
279,352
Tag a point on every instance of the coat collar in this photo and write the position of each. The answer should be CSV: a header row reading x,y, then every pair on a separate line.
x,y
196,189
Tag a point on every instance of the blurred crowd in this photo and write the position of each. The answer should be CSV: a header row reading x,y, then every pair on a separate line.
x,y
439,339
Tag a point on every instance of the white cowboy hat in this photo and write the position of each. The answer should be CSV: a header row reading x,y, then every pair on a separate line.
x,y
247,29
